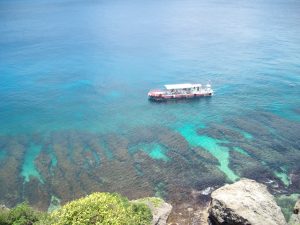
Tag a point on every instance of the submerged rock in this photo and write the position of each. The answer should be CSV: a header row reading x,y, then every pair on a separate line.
x,y
245,202
295,218
159,208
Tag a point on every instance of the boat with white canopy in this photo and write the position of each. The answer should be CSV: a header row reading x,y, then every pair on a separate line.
x,y
181,91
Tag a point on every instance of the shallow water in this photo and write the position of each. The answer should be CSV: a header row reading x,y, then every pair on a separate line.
x,y
73,97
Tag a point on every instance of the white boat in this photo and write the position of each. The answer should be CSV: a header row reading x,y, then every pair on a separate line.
x,y
181,91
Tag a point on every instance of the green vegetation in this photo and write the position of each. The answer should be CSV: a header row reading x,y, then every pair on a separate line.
x,y
102,208
156,202
22,214
97,208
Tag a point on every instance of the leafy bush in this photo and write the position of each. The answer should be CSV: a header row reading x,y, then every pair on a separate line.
x,y
97,208
4,217
102,208
22,214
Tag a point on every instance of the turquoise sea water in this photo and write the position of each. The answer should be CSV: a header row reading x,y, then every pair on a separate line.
x,y
74,112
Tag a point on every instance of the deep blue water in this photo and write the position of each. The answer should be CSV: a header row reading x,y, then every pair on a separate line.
x,y
75,75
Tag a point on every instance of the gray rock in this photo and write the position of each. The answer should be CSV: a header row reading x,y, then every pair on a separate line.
x,y
295,218
245,202
297,207
159,208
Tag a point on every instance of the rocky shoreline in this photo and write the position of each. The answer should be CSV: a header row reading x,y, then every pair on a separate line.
x,y
245,202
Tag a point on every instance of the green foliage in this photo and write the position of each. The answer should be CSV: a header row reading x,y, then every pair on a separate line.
x,y
156,202
94,209
22,214
102,208
4,217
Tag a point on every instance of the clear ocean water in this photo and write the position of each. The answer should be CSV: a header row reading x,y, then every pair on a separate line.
x,y
75,117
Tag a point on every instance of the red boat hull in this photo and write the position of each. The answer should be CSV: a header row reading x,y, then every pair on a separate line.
x,y
163,97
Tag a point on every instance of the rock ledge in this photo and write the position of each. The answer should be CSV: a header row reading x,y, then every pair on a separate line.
x,y
245,202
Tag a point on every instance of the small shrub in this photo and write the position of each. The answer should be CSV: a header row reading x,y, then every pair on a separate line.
x,y
102,208
22,214
4,217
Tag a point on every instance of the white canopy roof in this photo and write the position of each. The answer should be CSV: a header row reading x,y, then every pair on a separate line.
x,y
181,86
